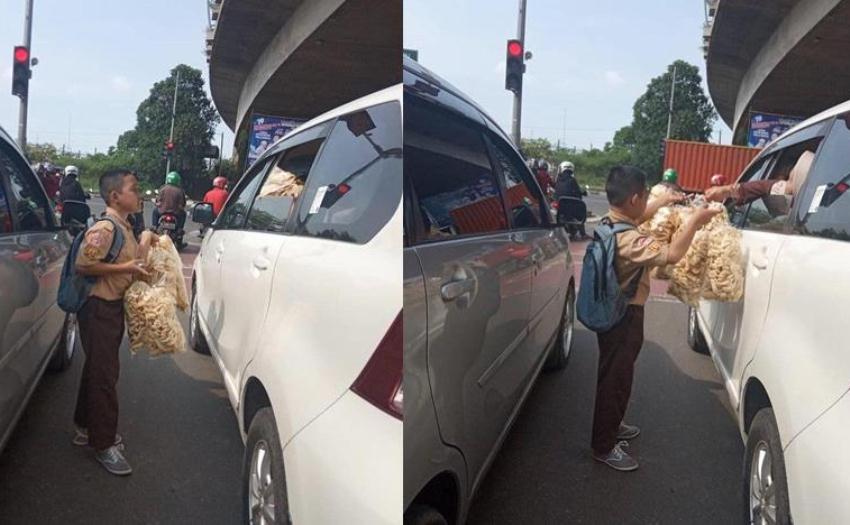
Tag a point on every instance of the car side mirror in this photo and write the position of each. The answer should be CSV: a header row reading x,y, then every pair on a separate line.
x,y
571,211
202,213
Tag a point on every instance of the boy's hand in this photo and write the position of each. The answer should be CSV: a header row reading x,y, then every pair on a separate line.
x,y
148,238
135,267
702,215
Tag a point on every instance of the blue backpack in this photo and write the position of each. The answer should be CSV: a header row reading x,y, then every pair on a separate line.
x,y
601,302
74,289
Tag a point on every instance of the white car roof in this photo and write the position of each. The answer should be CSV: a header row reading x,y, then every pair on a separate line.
x,y
823,115
389,94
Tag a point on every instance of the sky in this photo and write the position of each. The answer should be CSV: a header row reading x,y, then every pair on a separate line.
x,y
591,60
98,60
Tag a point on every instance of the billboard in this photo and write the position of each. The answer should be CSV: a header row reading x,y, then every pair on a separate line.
x,y
265,131
766,127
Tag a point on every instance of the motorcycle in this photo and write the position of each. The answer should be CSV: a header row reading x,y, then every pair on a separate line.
x,y
167,225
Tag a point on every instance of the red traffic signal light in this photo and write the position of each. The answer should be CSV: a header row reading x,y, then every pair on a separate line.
x,y
21,71
169,145
514,66
22,55
514,48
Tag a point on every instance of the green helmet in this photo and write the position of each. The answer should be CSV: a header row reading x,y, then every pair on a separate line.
x,y
173,178
670,175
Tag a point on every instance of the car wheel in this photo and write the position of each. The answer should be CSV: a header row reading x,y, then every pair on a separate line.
x,y
198,341
263,480
560,354
424,515
695,338
68,341
765,485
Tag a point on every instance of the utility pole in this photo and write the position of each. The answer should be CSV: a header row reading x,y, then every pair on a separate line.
x,y
672,98
517,118
22,115
220,152
564,131
173,113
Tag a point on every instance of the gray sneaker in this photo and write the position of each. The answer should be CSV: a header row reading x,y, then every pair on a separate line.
x,y
81,438
114,462
627,432
617,459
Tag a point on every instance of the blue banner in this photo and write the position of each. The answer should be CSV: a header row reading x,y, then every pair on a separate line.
x,y
767,127
265,131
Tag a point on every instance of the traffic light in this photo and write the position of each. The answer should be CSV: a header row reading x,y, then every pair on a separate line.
x,y
662,149
21,71
168,149
515,66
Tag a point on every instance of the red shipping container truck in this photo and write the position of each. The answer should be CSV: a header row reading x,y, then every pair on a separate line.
x,y
696,162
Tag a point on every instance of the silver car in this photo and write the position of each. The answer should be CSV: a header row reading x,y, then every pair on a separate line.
x,y
34,333
489,294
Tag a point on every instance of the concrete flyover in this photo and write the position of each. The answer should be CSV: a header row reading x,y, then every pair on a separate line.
x,y
777,56
299,58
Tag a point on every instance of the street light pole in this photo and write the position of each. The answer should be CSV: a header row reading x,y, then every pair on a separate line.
x,y
173,113
517,117
672,98
22,115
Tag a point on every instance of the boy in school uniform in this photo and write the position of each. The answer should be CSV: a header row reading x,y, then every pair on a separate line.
x,y
101,320
637,253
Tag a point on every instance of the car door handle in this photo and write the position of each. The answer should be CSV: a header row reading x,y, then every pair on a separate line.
x,y
456,288
261,263
219,251
759,263
760,260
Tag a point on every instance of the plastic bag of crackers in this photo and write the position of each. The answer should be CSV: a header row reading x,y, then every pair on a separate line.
x,y
151,304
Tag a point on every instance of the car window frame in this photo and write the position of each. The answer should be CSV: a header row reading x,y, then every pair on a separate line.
x,y
320,131
4,187
419,238
22,166
332,123
545,214
817,130
264,163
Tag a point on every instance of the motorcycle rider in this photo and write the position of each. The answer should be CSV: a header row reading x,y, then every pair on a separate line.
x,y
70,189
171,199
544,179
568,186
217,196
670,179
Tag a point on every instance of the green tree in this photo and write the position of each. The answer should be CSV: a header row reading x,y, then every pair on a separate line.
x,y
693,116
41,152
537,149
194,127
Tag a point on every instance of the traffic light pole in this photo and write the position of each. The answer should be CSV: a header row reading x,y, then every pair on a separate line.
x,y
173,113
517,118
22,115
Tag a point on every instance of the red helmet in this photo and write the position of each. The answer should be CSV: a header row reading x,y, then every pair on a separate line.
x,y
220,182
718,180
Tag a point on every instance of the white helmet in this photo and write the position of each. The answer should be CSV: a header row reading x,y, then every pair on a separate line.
x,y
544,165
72,170
566,165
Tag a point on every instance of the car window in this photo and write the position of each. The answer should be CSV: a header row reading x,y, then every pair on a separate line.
x,y
447,163
524,197
825,204
282,187
5,214
355,186
233,215
26,199
789,171
738,213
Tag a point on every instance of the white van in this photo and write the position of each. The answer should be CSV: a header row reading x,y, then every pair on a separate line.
x,y
783,351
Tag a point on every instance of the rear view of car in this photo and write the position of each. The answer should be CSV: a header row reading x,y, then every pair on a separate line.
x,y
297,295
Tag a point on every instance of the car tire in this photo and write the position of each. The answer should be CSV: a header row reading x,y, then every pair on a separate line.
x,y
559,356
63,355
695,338
197,340
264,459
424,515
765,448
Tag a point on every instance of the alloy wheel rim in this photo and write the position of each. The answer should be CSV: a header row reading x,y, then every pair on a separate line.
x,y
70,335
762,487
569,325
261,503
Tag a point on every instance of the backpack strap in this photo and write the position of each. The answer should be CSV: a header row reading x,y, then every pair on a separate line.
x,y
117,240
619,227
